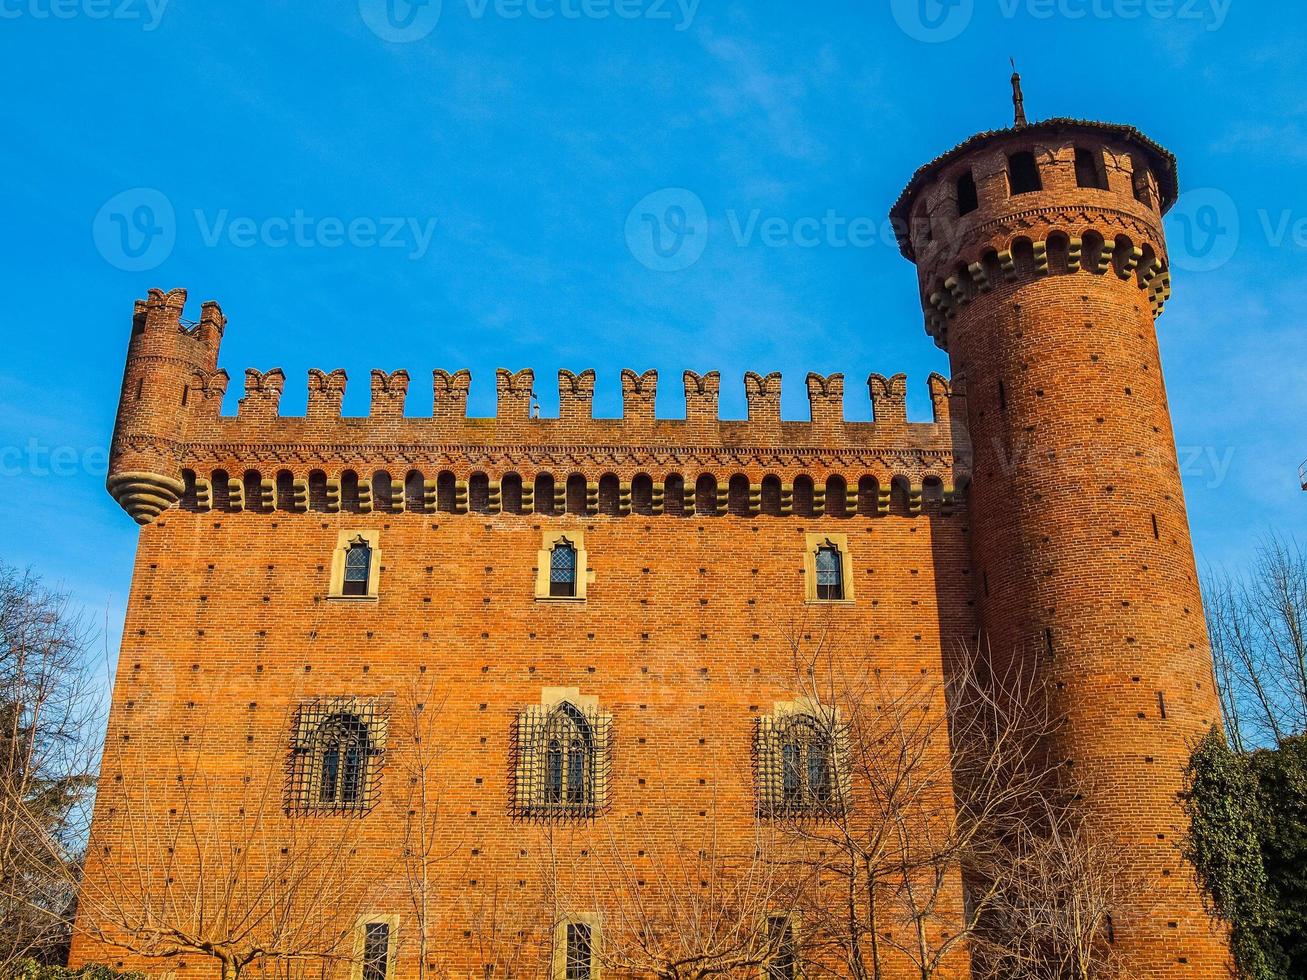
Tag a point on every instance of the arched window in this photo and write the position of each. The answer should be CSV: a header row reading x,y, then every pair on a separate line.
x,y
806,764
562,569
560,769
798,766
338,754
358,568
1023,173
342,752
968,200
569,759
830,572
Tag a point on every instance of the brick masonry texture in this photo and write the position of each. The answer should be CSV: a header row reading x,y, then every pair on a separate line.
x,y
1064,541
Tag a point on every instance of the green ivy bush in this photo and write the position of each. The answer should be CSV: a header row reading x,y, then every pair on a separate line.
x,y
1248,842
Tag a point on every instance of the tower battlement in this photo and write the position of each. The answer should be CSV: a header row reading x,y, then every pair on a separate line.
x,y
173,450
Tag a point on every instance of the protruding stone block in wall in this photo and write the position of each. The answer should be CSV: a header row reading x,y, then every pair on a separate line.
x,y
764,397
326,392
514,393
388,394
262,394
826,404
701,394
638,391
889,399
449,394
576,394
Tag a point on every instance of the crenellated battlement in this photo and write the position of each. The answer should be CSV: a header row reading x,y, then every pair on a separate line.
x,y
192,435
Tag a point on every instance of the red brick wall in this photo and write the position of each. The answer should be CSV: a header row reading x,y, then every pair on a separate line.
x,y
683,638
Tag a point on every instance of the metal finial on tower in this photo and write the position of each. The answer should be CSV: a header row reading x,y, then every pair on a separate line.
x,y
1018,99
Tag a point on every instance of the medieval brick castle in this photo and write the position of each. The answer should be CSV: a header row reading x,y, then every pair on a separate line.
x,y
601,610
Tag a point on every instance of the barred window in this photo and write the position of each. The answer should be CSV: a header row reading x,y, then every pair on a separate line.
x,y
560,769
337,754
562,569
358,564
797,766
580,955
376,950
830,572
783,964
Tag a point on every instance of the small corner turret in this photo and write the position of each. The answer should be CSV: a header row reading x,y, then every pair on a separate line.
x,y
171,376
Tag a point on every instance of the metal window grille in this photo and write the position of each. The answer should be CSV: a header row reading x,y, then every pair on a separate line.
x,y
358,566
579,955
337,751
562,569
780,937
560,763
797,766
376,950
830,573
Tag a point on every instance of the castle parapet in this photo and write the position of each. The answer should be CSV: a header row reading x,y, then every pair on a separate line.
x,y
184,429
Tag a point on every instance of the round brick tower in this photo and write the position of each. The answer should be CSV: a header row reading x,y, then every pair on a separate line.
x,y
171,377
1042,266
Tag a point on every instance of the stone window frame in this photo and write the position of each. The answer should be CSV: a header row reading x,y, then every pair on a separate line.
x,y
304,767
344,540
360,937
528,764
558,961
548,541
813,542
769,761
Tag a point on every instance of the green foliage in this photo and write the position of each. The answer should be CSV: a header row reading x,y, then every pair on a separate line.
x,y
1282,778
32,970
1248,842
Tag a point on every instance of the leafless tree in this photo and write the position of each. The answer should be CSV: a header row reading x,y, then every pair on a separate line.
x,y
419,755
688,905
217,865
1258,629
939,771
1053,909
49,721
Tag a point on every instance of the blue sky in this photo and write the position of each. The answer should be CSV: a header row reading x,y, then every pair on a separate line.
x,y
511,140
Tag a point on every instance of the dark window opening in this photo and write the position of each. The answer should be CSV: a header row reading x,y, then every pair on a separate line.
x,y
804,783
830,573
569,751
1023,173
562,570
358,568
376,950
1089,169
968,199
780,937
579,954
342,761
